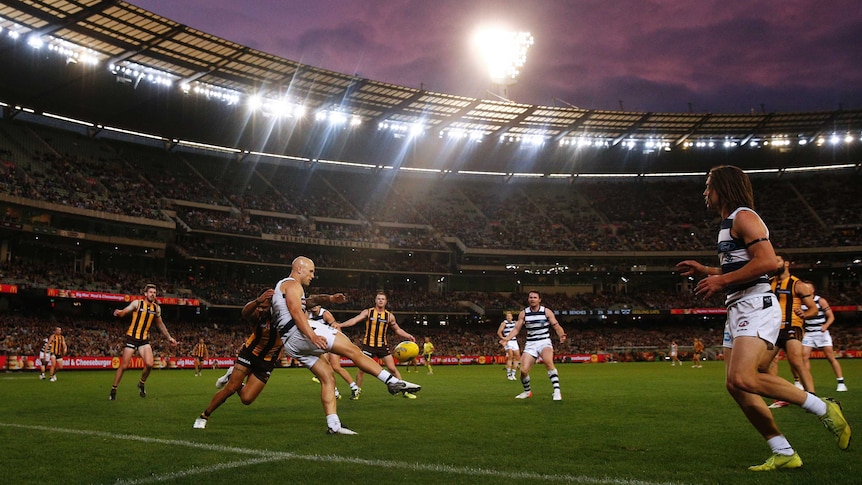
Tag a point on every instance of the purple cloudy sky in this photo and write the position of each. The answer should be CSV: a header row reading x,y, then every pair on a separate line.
x,y
641,55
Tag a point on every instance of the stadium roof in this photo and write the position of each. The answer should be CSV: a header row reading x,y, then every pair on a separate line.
x,y
121,34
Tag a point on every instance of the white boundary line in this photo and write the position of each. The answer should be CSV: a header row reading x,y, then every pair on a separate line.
x,y
265,456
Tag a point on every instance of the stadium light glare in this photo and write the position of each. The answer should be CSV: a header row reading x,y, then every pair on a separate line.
x,y
503,52
35,42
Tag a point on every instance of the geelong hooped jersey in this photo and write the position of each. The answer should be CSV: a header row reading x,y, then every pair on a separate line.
x,y
280,314
815,323
46,347
317,317
508,326
733,254
537,324
142,319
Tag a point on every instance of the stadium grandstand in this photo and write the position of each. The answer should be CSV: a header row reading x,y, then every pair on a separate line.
x,y
134,148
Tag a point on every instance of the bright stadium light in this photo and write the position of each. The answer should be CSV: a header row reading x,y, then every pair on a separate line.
x,y
504,53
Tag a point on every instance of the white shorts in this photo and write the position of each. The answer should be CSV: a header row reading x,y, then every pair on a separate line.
x,y
753,316
45,357
817,340
535,347
298,346
512,345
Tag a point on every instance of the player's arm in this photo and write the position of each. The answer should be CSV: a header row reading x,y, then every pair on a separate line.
x,y
293,297
500,329
330,319
160,324
323,299
363,315
515,330
690,267
63,348
398,330
552,319
830,317
748,227
804,293
129,308
250,307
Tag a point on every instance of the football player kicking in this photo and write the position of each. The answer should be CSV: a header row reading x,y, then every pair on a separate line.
x,y
307,342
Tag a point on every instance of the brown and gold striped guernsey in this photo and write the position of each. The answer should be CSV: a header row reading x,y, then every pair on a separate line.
x,y
142,319
376,328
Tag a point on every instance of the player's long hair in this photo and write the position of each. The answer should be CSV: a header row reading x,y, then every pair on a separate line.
x,y
733,187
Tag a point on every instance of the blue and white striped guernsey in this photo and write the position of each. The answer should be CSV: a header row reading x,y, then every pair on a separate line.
x,y
815,323
537,324
507,328
733,254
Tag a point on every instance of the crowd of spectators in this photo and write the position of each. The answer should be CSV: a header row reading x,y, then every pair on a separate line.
x,y
75,170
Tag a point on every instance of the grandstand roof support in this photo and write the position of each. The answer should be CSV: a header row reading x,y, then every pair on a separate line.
x,y
215,67
632,129
679,141
568,130
148,45
824,128
457,115
66,22
760,125
398,107
515,122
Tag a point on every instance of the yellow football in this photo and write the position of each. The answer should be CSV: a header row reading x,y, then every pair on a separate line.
x,y
405,351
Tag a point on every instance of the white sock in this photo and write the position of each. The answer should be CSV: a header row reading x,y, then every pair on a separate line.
x,y
814,405
385,376
333,422
780,445
353,386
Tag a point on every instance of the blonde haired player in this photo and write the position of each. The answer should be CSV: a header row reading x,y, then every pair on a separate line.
x,y
513,351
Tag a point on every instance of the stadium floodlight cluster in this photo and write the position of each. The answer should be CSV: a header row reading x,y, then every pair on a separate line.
x,y
278,107
462,134
228,96
338,118
129,72
400,129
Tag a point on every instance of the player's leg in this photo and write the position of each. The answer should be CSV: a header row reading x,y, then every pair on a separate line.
x,y
527,361
836,368
146,353
345,348
553,375
335,363
794,356
125,360
51,377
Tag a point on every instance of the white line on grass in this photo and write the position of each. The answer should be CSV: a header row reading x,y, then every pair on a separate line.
x,y
264,456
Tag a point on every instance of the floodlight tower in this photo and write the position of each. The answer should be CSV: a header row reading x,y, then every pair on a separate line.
x,y
504,53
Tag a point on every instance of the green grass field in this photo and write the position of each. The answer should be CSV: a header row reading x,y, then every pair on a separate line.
x,y
643,423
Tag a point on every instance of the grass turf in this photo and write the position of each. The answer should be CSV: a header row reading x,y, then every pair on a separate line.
x,y
638,423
